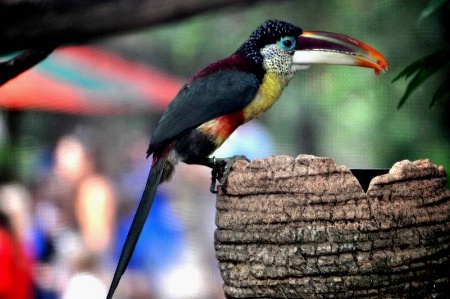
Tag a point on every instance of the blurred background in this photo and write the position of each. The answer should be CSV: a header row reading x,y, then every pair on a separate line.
x,y
75,128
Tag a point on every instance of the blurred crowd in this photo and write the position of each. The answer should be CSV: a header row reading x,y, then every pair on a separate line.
x,y
61,236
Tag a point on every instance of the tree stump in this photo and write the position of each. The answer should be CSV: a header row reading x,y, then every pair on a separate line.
x,y
304,228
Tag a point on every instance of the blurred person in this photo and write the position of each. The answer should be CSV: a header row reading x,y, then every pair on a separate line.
x,y
75,210
16,263
84,283
94,196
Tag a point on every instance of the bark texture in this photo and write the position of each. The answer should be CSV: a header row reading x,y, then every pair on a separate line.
x,y
304,228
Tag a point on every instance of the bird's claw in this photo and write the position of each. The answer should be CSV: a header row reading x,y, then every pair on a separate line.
x,y
221,168
214,174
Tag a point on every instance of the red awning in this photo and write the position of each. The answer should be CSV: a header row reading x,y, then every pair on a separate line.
x,y
89,81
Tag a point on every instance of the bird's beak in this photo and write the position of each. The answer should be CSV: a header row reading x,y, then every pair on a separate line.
x,y
331,48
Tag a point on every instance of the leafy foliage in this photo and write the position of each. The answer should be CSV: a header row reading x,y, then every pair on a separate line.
x,y
431,8
425,67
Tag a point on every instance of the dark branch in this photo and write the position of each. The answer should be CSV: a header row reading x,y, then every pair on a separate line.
x,y
27,24
22,62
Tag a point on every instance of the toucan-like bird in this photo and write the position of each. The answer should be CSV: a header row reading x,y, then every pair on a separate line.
x,y
227,93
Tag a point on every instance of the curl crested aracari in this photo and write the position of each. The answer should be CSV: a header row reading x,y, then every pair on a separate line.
x,y
227,93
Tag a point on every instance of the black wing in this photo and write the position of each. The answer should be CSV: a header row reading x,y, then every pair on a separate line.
x,y
206,98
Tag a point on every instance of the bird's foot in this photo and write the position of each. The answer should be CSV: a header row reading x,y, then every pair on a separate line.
x,y
221,168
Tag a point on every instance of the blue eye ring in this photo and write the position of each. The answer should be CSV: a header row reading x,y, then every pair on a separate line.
x,y
287,43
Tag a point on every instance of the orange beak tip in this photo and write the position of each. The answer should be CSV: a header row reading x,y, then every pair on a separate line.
x,y
383,67
382,64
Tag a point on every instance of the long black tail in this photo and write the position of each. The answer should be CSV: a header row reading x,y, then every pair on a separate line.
x,y
139,219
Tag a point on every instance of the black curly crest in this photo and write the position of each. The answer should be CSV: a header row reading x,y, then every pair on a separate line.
x,y
268,33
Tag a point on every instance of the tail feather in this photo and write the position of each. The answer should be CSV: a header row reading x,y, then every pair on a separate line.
x,y
154,178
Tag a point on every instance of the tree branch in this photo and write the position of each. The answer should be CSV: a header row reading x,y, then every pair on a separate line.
x,y
30,24
43,25
11,68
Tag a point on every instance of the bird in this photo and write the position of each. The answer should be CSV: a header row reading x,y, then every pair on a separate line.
x,y
230,92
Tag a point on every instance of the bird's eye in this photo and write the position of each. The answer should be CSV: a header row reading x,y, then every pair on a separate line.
x,y
287,43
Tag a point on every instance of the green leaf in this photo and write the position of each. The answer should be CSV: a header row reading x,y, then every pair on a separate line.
x,y
432,6
440,56
443,91
423,69
411,69
422,75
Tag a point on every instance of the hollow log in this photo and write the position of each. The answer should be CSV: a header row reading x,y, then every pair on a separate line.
x,y
304,228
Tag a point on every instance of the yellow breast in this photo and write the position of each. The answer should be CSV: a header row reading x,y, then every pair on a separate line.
x,y
270,90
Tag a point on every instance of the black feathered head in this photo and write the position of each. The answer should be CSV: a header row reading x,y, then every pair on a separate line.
x,y
268,33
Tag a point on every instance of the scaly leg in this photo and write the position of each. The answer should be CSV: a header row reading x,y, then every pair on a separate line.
x,y
221,167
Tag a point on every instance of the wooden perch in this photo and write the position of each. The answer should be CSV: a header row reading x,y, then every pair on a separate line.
x,y
304,228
